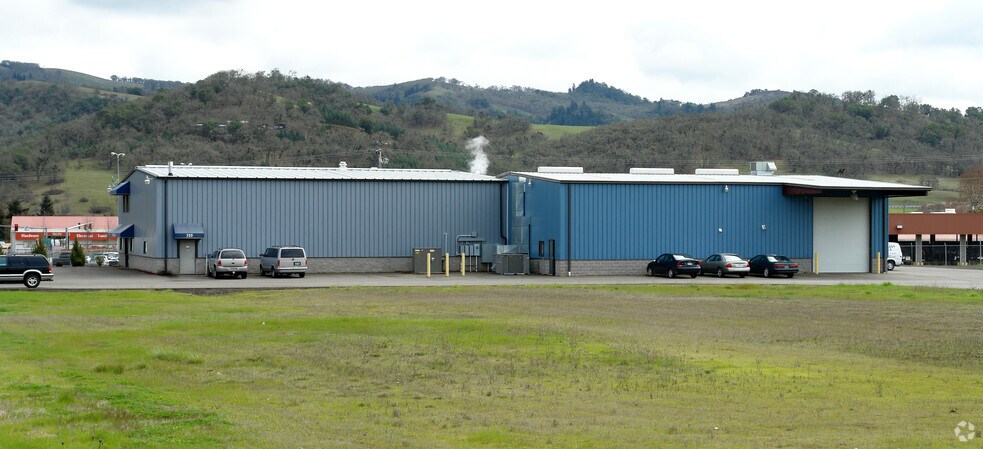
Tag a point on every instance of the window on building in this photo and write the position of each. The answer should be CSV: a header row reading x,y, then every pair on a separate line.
x,y
126,203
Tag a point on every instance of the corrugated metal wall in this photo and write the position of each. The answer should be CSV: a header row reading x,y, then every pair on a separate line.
x,y
144,214
878,226
328,218
640,221
546,208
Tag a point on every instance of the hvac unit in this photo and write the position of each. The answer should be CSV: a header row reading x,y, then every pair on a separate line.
x,y
514,263
763,168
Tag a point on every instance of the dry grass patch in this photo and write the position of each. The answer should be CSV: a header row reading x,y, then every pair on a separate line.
x,y
586,366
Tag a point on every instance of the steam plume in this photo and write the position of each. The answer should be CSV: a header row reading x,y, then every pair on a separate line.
x,y
478,165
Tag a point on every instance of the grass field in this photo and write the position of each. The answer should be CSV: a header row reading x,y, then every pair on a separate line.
x,y
527,367
84,186
946,192
460,123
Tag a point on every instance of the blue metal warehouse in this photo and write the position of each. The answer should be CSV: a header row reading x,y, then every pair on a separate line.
x,y
564,220
348,219
576,223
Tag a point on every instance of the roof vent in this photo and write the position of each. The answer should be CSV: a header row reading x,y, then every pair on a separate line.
x,y
560,170
651,171
763,168
343,165
717,171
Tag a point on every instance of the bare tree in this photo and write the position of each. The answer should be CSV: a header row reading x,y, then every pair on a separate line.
x,y
971,188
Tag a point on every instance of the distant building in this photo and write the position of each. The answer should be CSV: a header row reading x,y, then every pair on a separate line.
x,y
60,232
939,238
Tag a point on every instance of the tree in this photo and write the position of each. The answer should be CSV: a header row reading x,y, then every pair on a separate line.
x,y
971,188
78,255
15,208
47,207
39,247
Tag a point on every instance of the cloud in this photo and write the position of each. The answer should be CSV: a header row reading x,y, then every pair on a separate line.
x,y
699,51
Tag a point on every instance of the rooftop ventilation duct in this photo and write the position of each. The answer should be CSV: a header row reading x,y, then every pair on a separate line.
x,y
651,171
763,168
343,165
560,170
717,171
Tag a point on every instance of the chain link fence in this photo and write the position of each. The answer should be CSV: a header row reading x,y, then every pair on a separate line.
x,y
943,253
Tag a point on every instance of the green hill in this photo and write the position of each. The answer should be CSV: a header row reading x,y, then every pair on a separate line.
x,y
59,135
589,103
27,71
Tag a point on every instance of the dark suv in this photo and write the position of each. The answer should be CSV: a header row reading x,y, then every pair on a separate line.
x,y
30,270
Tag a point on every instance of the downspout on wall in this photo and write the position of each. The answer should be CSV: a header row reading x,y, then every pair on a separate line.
x,y
569,221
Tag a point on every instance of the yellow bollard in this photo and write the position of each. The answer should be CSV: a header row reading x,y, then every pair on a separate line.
x,y
428,264
878,262
462,264
815,263
447,264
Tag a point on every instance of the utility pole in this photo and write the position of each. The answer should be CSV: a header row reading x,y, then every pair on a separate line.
x,y
382,160
118,155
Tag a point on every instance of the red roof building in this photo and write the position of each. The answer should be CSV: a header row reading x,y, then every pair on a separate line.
x,y
92,232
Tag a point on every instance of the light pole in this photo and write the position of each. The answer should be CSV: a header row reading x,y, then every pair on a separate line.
x,y
118,155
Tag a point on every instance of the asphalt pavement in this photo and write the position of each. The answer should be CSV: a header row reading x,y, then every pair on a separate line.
x,y
113,278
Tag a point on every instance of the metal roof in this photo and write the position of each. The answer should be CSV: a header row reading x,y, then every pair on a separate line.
x,y
310,173
806,181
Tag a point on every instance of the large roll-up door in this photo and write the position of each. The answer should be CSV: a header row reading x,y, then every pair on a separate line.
x,y
841,234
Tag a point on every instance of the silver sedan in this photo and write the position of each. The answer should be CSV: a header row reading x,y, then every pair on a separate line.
x,y
723,264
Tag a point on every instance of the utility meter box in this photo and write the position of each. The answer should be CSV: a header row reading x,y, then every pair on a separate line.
x,y
420,256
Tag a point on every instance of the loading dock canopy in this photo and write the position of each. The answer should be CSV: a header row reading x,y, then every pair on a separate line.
x,y
124,231
183,231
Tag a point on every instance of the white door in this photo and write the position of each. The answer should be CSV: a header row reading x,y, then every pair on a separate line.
x,y
841,234
186,256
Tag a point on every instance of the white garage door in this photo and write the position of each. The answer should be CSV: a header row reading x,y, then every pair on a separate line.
x,y
841,234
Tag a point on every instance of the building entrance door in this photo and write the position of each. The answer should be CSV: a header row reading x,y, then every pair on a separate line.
x,y
186,250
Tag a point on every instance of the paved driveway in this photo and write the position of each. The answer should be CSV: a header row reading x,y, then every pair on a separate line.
x,y
106,278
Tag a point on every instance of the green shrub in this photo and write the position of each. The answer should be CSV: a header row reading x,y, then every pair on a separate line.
x,y
78,255
39,248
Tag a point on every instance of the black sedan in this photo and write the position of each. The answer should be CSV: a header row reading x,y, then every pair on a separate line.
x,y
771,264
671,265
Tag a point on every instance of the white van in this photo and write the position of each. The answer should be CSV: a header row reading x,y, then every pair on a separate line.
x,y
894,256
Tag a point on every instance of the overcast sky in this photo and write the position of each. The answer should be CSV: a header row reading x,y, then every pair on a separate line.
x,y
699,51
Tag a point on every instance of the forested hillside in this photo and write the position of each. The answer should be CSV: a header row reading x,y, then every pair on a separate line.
x,y
29,71
276,119
854,134
227,118
589,103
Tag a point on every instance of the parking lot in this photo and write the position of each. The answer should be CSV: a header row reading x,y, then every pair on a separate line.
x,y
110,278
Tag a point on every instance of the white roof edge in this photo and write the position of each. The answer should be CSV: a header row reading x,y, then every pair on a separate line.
x,y
809,181
312,173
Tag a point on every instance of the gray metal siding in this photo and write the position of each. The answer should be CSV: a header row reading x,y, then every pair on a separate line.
x,y
334,218
144,215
